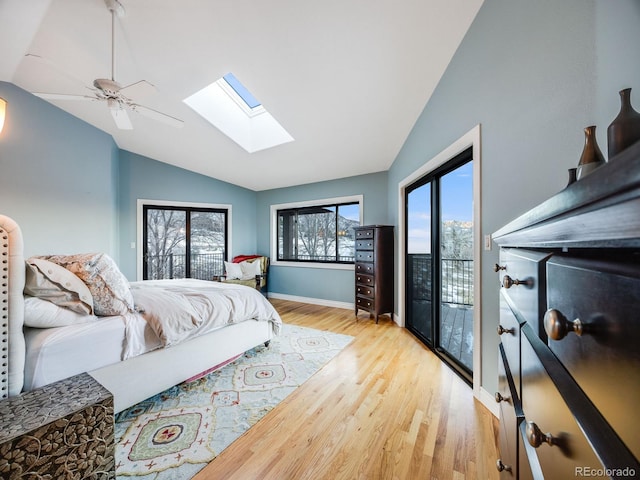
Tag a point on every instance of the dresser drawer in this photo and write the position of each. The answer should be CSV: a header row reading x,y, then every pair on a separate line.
x,y
509,332
364,256
364,291
364,244
603,356
367,268
364,303
544,406
364,233
522,279
367,280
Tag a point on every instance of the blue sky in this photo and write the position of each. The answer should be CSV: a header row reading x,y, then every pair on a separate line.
x,y
457,204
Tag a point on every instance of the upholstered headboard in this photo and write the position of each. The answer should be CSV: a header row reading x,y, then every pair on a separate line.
x,y
12,278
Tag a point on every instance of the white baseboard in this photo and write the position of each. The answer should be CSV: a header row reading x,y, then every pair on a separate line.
x,y
489,401
323,302
312,301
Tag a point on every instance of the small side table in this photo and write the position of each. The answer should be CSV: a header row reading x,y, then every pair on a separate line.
x,y
63,430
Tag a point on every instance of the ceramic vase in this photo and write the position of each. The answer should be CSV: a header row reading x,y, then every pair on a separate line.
x,y
591,157
624,131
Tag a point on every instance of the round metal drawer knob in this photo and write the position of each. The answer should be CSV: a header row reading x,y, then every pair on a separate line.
x,y
497,268
500,398
502,330
535,437
558,326
502,467
508,282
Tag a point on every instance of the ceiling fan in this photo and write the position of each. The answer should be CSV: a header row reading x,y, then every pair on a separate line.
x,y
118,99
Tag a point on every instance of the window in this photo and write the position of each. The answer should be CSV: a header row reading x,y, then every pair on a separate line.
x,y
183,241
229,106
320,233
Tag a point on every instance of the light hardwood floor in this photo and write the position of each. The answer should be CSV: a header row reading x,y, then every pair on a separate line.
x,y
384,408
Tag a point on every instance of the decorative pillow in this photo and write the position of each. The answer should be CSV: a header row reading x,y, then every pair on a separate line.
x,y
39,313
234,271
250,269
56,284
109,287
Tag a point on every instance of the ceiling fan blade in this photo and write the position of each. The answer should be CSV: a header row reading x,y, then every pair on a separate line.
x,y
55,67
155,115
63,96
121,118
138,90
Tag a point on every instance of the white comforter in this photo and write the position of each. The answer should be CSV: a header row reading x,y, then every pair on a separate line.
x,y
177,310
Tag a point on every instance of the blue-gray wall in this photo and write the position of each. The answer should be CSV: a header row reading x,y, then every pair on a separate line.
x,y
58,178
144,178
533,74
320,283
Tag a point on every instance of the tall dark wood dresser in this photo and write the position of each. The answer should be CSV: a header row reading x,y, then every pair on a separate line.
x,y
374,269
569,356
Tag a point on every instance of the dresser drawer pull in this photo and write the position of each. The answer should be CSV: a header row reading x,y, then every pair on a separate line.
x,y
558,326
537,438
497,268
502,330
499,398
508,282
502,467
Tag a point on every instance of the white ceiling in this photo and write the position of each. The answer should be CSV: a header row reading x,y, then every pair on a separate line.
x,y
347,79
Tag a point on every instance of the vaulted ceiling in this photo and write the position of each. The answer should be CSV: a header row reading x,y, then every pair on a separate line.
x,y
347,79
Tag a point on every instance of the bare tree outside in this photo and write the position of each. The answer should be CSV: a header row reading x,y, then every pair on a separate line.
x,y
166,231
169,244
320,233
317,235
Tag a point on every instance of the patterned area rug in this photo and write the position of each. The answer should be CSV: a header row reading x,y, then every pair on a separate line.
x,y
174,434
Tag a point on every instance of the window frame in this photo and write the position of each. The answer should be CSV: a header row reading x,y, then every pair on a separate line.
x,y
325,202
142,203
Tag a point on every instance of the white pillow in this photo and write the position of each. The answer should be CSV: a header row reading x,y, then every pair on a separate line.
x,y
250,269
234,271
56,284
39,313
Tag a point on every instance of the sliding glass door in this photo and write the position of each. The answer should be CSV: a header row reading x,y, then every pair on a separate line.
x,y
439,261
183,242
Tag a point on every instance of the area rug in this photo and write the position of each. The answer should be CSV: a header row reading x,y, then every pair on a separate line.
x,y
174,434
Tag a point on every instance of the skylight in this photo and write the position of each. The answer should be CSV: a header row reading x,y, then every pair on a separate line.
x,y
230,107
240,89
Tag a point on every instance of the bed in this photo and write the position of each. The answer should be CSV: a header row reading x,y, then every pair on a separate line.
x,y
135,338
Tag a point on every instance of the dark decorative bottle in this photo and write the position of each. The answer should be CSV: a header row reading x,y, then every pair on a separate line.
x,y
591,157
624,131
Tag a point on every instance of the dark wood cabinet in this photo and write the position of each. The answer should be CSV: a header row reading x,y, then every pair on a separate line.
x,y
374,269
569,280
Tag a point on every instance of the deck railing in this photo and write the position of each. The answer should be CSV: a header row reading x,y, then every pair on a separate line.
x,y
204,266
457,279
